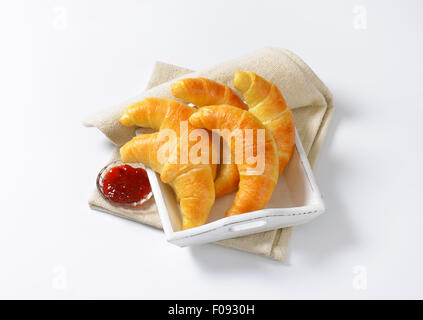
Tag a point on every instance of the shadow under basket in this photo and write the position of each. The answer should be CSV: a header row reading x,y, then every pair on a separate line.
x,y
295,200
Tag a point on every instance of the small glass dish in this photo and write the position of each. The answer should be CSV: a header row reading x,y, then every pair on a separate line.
x,y
99,183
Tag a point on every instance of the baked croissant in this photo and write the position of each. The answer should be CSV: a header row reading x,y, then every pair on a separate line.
x,y
266,102
205,92
192,183
255,188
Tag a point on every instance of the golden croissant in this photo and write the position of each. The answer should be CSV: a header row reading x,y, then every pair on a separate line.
x,y
192,183
255,188
205,92
266,102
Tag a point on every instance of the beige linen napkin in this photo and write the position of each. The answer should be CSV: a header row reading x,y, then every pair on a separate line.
x,y
304,92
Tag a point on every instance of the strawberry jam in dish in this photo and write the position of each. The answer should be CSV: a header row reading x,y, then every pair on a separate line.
x,y
126,185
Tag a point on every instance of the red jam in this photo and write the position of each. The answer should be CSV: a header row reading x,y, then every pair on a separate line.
x,y
125,184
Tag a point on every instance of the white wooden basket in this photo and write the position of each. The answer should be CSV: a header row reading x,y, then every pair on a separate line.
x,y
295,200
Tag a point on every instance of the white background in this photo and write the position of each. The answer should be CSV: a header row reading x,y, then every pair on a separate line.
x,y
61,61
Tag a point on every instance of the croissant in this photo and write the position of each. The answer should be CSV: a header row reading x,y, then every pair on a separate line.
x,y
255,188
192,183
204,92
266,102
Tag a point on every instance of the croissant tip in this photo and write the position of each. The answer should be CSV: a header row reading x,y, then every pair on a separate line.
x,y
242,81
174,85
188,224
125,120
123,152
239,72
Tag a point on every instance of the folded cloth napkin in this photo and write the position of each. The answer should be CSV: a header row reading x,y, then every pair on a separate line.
x,y
304,92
